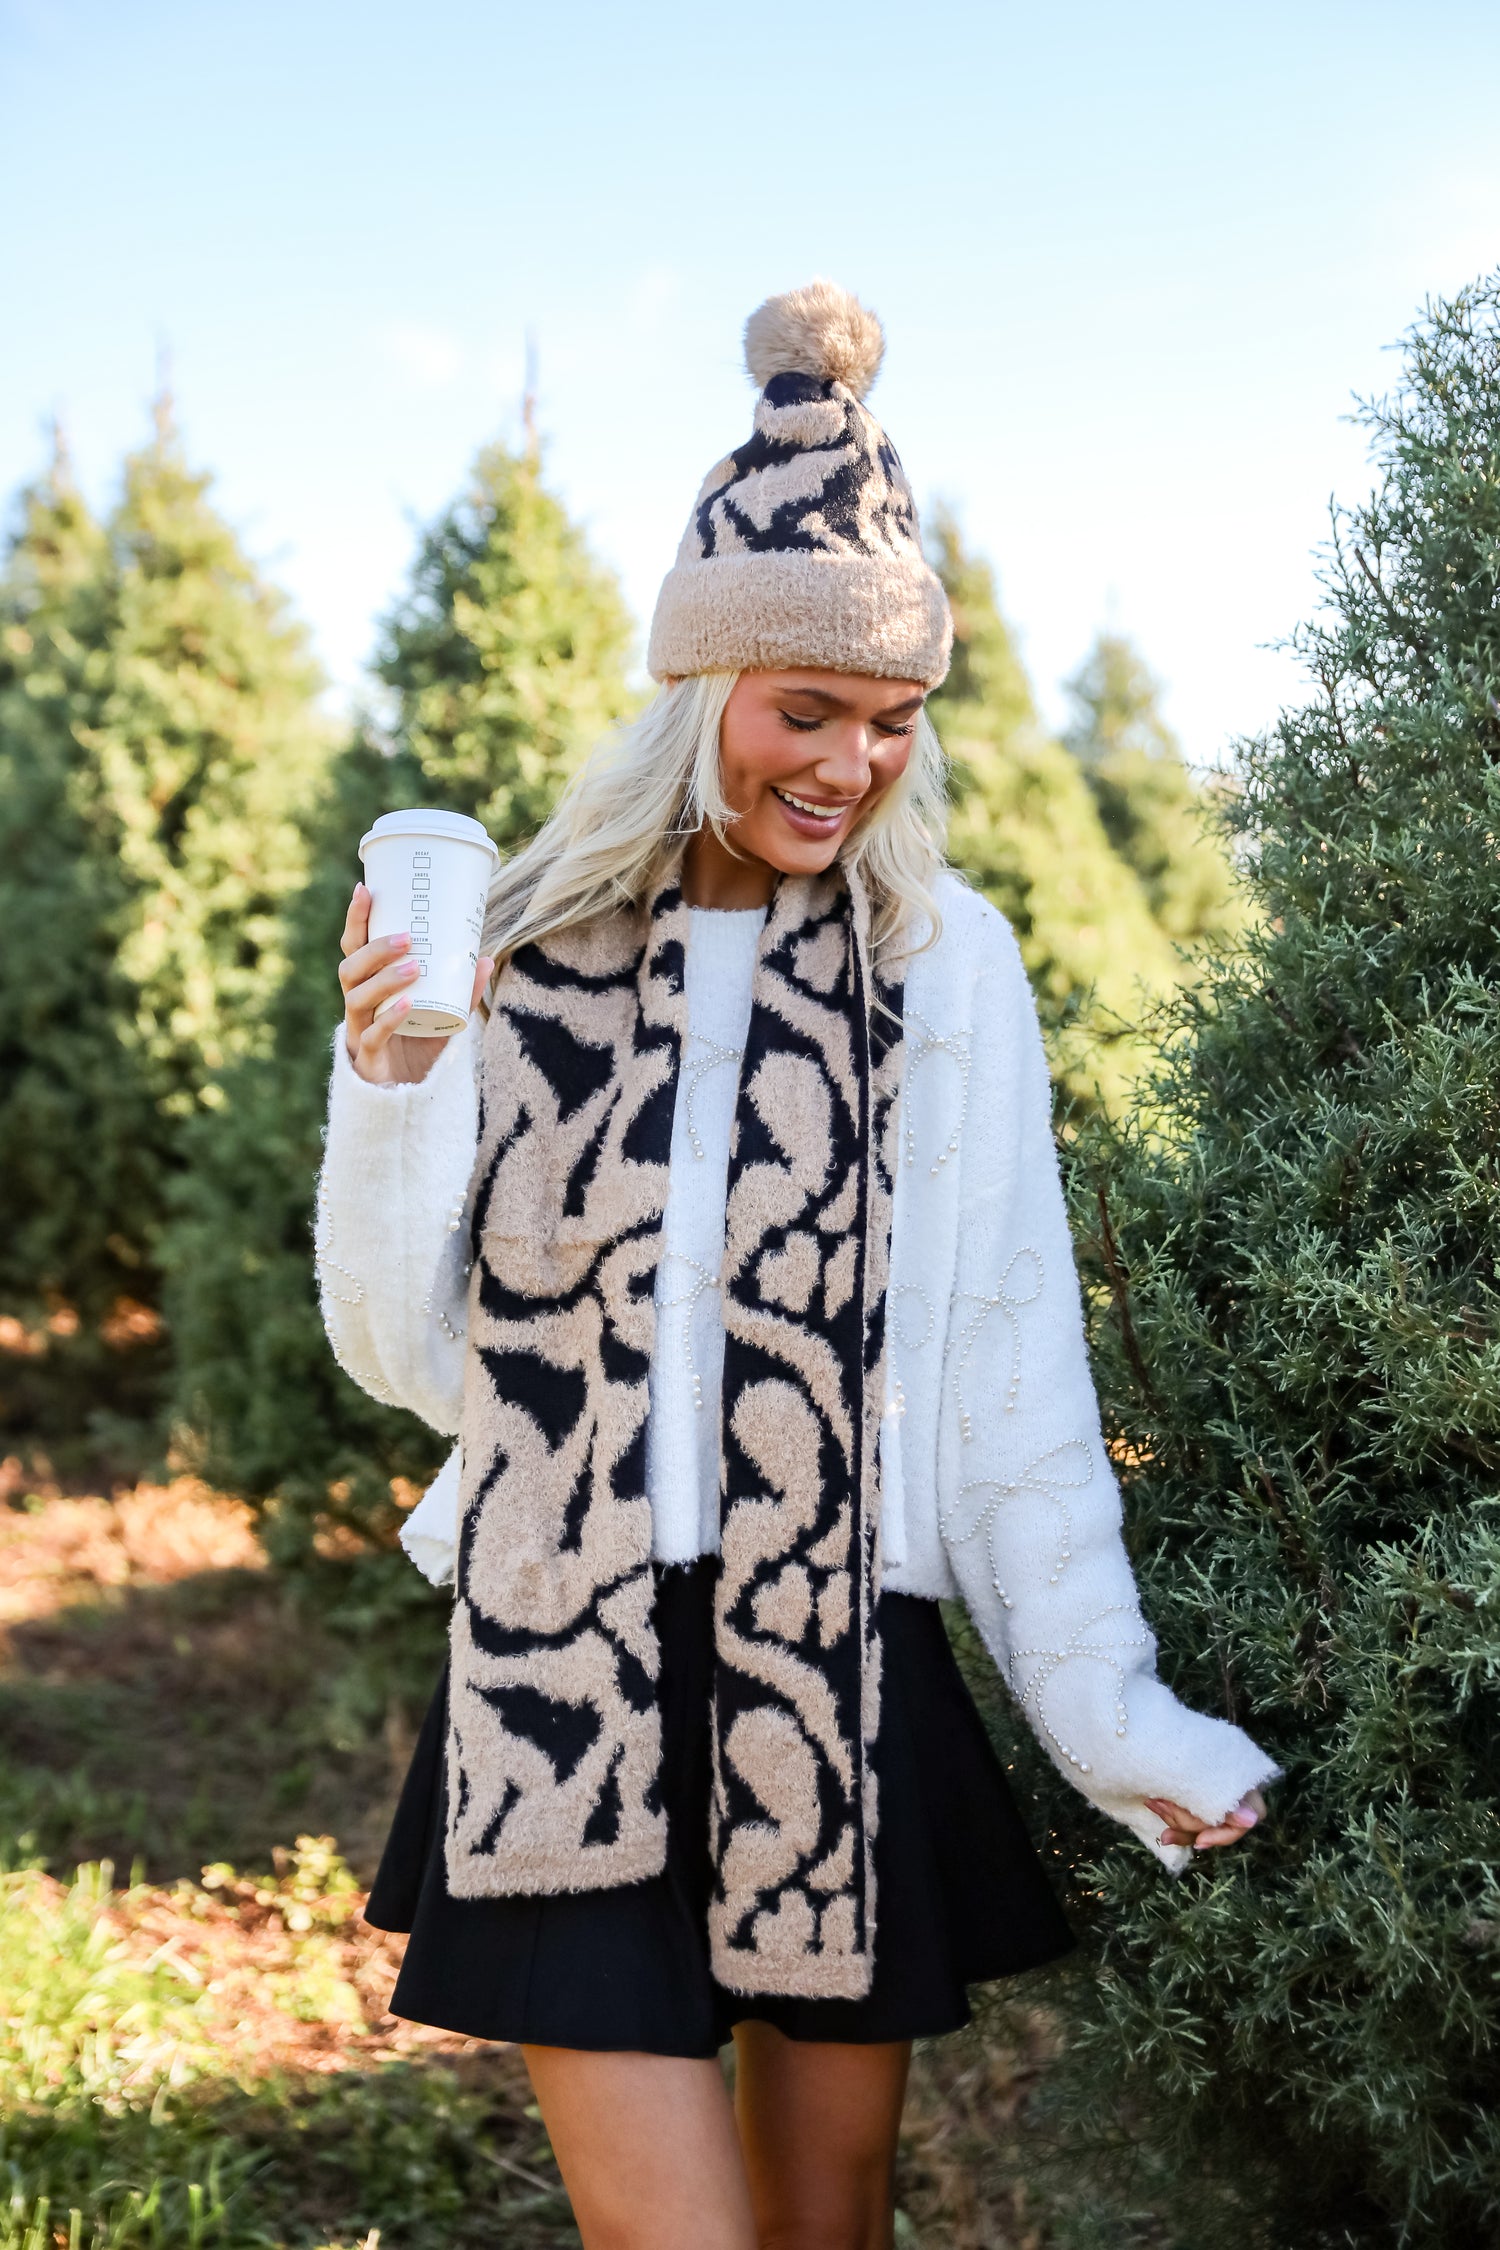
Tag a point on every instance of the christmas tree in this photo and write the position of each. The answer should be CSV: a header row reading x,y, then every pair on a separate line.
x,y
507,656
1295,1283
504,663
158,738
1026,830
1164,823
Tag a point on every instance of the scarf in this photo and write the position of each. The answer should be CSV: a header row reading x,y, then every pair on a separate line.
x,y
554,1740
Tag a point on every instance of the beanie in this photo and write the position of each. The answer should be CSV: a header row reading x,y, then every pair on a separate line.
x,y
803,546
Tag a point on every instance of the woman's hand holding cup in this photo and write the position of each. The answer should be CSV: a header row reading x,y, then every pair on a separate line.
x,y
376,970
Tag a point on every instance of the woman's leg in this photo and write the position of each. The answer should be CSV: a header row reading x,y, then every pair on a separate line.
x,y
818,2125
647,2149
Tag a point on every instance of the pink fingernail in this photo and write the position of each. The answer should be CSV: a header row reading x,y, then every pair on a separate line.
x,y
1243,1817
409,969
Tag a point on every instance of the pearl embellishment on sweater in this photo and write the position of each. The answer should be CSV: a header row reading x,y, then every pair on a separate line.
x,y
451,1330
912,1343
687,1305
1011,1301
1049,1662
714,1057
922,1043
327,1266
1047,1477
324,1261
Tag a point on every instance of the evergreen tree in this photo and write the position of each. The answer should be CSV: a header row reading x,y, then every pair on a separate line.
x,y
505,662
1027,831
1297,1293
507,656
261,1406
157,739
1155,814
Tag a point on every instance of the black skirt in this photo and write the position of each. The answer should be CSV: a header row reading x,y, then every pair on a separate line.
x,y
961,1895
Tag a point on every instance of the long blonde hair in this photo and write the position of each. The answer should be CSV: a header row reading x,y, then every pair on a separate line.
x,y
648,787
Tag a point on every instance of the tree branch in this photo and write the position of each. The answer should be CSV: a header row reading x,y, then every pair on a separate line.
x,y
1120,1290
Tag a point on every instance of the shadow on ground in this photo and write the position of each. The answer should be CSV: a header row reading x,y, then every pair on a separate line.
x,y
166,1701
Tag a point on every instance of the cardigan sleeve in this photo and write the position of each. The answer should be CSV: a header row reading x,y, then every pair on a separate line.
x,y
394,1200
1029,1507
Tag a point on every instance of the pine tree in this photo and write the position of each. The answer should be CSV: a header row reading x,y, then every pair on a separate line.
x,y
260,1404
504,662
1158,818
507,656
1026,829
1297,1296
158,736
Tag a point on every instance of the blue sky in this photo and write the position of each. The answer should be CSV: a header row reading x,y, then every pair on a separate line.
x,y
1132,263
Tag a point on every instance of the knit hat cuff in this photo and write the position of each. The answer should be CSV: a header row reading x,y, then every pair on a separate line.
x,y
774,612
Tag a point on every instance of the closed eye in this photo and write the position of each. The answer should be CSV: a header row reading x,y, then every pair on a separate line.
x,y
811,726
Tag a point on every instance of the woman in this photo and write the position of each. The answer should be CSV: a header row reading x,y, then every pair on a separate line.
x,y
731,1244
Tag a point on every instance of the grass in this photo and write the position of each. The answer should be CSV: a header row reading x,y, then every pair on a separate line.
x,y
211,2064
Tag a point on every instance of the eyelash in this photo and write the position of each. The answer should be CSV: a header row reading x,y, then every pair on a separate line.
x,y
811,726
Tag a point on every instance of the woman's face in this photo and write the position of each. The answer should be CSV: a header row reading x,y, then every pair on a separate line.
x,y
804,756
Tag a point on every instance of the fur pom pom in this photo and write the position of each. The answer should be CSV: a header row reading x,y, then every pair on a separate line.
x,y
821,331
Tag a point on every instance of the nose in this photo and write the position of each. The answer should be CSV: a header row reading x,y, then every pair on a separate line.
x,y
844,762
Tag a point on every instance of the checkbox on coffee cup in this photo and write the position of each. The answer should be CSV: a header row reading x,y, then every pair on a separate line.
x,y
429,872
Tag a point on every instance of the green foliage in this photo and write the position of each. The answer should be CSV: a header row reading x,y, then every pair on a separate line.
x,y
1027,831
260,1405
505,662
1154,813
128,2122
986,696
1297,1301
507,656
401,2153
158,740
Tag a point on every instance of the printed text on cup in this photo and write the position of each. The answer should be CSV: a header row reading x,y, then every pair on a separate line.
x,y
421,899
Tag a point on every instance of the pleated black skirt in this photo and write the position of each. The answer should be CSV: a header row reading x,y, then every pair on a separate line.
x,y
961,1896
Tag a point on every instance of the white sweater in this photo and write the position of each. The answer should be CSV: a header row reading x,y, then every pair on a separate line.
x,y
995,1481
687,1366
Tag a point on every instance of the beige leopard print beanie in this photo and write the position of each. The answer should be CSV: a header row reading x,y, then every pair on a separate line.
x,y
803,546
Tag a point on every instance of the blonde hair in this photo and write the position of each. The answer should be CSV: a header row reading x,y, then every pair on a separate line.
x,y
655,782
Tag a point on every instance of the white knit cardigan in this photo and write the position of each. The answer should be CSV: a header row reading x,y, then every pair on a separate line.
x,y
996,1485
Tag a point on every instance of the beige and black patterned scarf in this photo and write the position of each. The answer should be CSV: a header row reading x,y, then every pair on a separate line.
x,y
554,1738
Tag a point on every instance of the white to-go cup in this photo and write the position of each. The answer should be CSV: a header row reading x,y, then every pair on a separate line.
x,y
429,872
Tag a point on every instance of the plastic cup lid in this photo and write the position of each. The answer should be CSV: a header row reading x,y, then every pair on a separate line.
x,y
425,820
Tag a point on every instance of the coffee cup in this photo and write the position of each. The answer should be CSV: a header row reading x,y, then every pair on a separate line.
x,y
429,872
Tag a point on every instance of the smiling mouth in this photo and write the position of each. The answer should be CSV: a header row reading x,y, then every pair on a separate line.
x,y
832,814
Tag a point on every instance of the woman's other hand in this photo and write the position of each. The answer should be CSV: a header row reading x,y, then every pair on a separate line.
x,y
371,971
1184,1827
